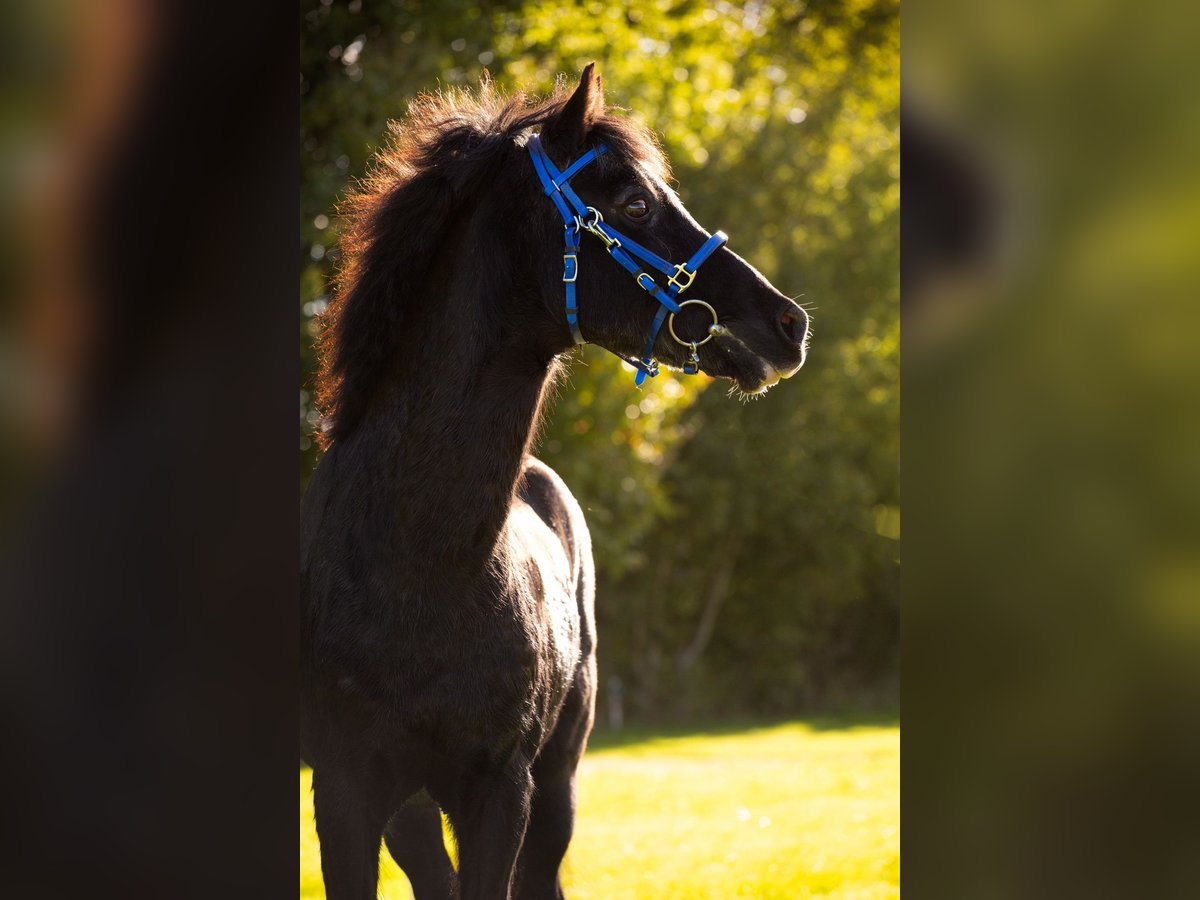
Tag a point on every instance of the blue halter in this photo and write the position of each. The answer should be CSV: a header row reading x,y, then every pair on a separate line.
x,y
577,216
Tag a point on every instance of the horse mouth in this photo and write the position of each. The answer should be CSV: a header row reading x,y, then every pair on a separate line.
x,y
753,374
771,377
758,383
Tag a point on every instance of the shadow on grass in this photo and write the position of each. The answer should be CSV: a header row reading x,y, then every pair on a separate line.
x,y
608,739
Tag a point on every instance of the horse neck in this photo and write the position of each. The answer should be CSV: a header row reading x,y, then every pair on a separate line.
x,y
450,434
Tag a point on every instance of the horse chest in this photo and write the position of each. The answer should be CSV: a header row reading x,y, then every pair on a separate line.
x,y
526,647
519,642
510,649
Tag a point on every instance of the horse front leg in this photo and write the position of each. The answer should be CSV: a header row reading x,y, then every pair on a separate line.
x,y
414,838
351,810
490,827
551,823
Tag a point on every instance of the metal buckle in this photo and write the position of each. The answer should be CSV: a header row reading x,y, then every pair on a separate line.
x,y
646,287
571,267
680,285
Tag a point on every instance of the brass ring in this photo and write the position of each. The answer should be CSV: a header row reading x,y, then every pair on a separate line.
x,y
708,337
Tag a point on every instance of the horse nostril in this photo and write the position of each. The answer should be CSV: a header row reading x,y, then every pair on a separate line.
x,y
793,324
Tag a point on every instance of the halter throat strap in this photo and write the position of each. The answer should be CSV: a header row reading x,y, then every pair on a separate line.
x,y
577,216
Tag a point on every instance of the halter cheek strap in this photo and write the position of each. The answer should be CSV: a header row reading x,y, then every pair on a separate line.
x,y
686,271
577,216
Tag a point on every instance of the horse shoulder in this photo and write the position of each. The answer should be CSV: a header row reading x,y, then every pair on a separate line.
x,y
548,495
541,488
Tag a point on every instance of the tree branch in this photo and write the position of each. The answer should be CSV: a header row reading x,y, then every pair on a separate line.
x,y
718,590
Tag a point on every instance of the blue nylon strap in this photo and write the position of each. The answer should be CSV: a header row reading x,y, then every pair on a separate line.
x,y
644,280
644,369
709,247
636,249
570,273
547,174
648,351
555,183
574,167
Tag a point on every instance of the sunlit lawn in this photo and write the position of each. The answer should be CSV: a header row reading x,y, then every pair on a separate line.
x,y
785,811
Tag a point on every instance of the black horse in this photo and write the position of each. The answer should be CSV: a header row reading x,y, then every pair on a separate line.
x,y
448,656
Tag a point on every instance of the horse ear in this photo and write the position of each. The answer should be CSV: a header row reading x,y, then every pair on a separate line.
x,y
580,112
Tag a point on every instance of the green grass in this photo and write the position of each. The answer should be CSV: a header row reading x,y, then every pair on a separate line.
x,y
782,811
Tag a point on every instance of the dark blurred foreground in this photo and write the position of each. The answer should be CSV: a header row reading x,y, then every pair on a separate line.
x,y
1051,450
147,621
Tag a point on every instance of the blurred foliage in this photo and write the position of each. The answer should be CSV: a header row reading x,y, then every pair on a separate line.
x,y
1053,432
748,553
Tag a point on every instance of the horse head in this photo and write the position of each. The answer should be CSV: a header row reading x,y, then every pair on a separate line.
x,y
608,179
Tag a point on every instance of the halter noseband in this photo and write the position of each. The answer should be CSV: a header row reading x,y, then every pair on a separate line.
x,y
577,216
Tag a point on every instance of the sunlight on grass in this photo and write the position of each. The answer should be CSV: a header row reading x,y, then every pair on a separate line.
x,y
788,811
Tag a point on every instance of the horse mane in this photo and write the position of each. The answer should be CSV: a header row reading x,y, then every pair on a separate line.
x,y
439,155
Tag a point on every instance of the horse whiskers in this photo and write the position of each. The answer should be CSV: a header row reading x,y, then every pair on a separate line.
x,y
735,392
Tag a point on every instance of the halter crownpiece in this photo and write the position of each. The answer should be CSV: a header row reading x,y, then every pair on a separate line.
x,y
577,216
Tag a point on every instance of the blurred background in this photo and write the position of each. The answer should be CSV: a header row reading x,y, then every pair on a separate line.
x,y
748,553
1052,449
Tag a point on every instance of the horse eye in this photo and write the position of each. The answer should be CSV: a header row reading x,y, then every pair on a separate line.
x,y
637,208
